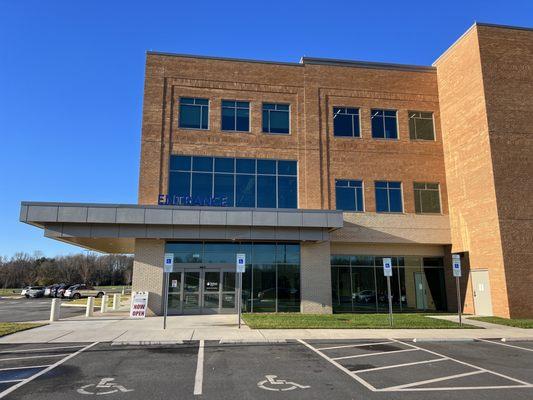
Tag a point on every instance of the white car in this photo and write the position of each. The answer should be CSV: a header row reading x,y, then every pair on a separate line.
x,y
24,291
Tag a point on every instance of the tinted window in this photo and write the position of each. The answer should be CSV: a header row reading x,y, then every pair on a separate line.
x,y
194,113
384,124
235,116
346,122
349,195
421,125
388,196
276,118
427,197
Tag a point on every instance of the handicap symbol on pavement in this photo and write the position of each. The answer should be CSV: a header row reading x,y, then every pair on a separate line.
x,y
105,386
279,385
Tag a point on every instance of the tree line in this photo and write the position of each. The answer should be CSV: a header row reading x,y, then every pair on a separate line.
x,y
93,269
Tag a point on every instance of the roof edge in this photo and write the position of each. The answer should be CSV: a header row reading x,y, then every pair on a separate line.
x,y
366,64
182,55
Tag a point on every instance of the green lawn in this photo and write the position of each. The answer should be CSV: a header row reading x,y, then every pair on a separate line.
x,y
98,301
526,323
7,328
345,321
10,292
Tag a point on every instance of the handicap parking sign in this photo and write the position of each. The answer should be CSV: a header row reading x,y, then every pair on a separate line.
x,y
241,262
387,267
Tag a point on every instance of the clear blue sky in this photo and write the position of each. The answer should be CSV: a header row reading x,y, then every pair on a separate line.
x,y
71,77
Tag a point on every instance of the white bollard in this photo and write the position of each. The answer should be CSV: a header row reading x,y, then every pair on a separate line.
x,y
116,302
90,307
55,310
103,305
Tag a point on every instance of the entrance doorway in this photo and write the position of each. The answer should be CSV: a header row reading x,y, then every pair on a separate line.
x,y
202,290
481,292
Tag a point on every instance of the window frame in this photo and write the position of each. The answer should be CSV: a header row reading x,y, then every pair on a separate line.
x,y
289,111
416,139
235,117
201,111
435,190
363,209
397,138
353,125
388,197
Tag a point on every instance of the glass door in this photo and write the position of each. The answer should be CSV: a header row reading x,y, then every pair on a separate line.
x,y
191,290
211,290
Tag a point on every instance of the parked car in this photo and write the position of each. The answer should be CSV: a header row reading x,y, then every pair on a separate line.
x,y
49,290
82,290
365,296
35,291
24,291
60,290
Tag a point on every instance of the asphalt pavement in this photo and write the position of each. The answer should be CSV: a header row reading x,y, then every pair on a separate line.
x,y
26,310
302,369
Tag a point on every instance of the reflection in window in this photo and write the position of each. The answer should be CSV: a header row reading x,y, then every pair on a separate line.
x,y
427,197
276,118
421,125
349,195
346,122
194,113
388,196
235,116
384,124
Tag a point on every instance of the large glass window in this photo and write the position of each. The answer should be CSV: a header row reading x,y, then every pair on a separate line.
x,y
384,124
230,182
388,196
235,115
276,118
427,197
349,195
421,125
194,113
346,122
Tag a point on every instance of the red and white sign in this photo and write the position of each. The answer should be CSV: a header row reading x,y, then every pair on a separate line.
x,y
139,304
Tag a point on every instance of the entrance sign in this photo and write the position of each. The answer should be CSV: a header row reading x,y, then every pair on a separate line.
x,y
169,262
456,264
241,262
456,267
387,267
387,271
139,304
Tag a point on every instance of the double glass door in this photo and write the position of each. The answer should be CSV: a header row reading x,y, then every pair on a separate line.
x,y
202,290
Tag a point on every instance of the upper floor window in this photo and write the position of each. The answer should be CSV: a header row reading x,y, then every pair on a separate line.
x,y
276,118
232,182
349,195
389,196
235,116
384,124
421,125
427,197
194,113
346,122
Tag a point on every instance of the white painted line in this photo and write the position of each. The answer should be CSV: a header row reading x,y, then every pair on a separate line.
x,y
41,349
343,369
465,363
444,378
11,381
505,344
399,365
26,367
44,371
466,388
351,345
373,354
199,378
29,358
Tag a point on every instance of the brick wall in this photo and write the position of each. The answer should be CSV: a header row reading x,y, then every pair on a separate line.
x,y
315,276
148,272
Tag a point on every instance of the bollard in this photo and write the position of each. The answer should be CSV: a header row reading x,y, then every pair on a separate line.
x,y
90,307
55,310
123,291
103,305
116,302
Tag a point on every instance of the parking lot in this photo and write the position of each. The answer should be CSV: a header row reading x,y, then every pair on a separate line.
x,y
25,310
311,369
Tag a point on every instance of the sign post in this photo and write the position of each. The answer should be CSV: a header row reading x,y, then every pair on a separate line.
x,y
240,267
387,271
456,264
168,267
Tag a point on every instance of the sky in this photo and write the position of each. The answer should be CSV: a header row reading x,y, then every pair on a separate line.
x,y
71,77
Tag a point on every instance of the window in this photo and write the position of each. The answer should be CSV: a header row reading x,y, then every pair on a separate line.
x,y
427,197
421,125
384,124
346,122
389,196
232,182
349,195
235,116
194,113
276,118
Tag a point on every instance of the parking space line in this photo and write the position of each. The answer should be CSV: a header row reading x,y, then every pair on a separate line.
x,y
373,354
352,345
339,366
444,378
25,367
198,379
44,371
41,349
11,381
465,363
400,365
30,357
505,344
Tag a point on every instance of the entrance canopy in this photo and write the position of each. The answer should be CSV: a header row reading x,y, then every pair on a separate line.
x,y
113,228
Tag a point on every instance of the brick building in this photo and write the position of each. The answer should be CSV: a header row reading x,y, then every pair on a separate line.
x,y
317,171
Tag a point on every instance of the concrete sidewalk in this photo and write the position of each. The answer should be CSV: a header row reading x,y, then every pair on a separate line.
x,y
119,328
